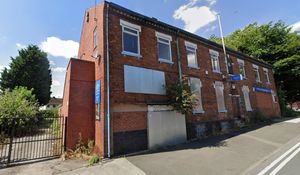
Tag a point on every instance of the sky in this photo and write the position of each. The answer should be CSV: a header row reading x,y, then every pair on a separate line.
x,y
55,25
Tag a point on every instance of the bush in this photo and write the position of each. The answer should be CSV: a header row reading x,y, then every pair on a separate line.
x,y
180,96
94,159
18,103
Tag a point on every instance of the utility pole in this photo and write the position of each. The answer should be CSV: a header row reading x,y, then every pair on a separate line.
x,y
223,42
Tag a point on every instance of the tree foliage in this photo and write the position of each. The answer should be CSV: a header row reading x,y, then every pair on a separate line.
x,y
180,97
275,44
29,69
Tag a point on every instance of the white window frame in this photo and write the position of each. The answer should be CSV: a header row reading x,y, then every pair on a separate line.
x,y
95,38
274,97
165,37
242,62
136,28
193,48
215,54
219,84
199,97
246,91
266,73
256,69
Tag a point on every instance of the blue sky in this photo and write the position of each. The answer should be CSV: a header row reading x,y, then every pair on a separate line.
x,y
55,25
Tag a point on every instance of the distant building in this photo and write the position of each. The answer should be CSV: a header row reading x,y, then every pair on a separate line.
x,y
53,103
115,92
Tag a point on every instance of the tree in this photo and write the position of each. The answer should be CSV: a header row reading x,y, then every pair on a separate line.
x,y
275,44
19,102
180,96
29,69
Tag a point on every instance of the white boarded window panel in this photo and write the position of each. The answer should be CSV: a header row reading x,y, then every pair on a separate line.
x,y
245,90
196,88
146,81
219,87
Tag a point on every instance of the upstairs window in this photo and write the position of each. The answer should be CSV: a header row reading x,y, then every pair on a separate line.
x,y
196,85
191,50
219,88
266,75
241,64
214,55
130,38
95,41
229,65
256,73
164,47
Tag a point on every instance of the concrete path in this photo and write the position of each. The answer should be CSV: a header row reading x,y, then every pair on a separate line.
x,y
246,153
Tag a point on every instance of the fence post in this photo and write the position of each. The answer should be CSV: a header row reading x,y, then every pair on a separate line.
x,y
11,138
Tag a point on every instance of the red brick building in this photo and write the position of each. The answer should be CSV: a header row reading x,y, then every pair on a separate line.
x,y
132,58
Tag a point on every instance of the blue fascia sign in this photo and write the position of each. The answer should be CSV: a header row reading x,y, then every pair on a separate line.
x,y
236,77
97,92
262,89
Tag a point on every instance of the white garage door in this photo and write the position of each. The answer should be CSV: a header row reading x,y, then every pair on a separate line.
x,y
165,127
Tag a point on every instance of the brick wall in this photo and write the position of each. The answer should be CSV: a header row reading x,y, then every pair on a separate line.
x,y
128,110
78,101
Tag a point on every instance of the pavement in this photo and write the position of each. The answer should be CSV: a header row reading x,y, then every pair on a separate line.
x,y
260,151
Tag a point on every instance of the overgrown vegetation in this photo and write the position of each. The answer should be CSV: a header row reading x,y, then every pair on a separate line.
x,y
21,103
180,96
83,151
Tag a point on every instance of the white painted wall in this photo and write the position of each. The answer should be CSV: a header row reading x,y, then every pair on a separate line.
x,y
165,127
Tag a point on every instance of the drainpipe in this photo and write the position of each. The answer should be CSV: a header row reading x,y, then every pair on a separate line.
x,y
108,87
178,59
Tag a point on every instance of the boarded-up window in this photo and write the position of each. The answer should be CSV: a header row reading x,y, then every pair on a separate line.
x,y
219,87
196,89
245,90
141,80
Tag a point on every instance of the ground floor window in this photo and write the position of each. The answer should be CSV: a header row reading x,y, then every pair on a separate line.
x,y
219,87
245,90
196,89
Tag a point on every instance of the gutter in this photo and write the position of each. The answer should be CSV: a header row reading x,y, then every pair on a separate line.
x,y
178,60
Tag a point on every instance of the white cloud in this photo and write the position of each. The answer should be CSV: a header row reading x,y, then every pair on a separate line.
x,y
195,17
20,46
58,47
58,69
296,27
211,2
55,83
211,28
51,62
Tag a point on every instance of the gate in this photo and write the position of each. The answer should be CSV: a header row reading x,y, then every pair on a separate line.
x,y
25,140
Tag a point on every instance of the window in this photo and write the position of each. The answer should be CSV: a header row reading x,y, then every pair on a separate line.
x,y
241,64
214,55
196,85
191,50
130,38
164,47
95,41
146,81
266,74
256,73
219,87
229,65
274,98
245,90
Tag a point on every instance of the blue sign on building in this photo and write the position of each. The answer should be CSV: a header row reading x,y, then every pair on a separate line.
x,y
97,92
236,77
262,89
